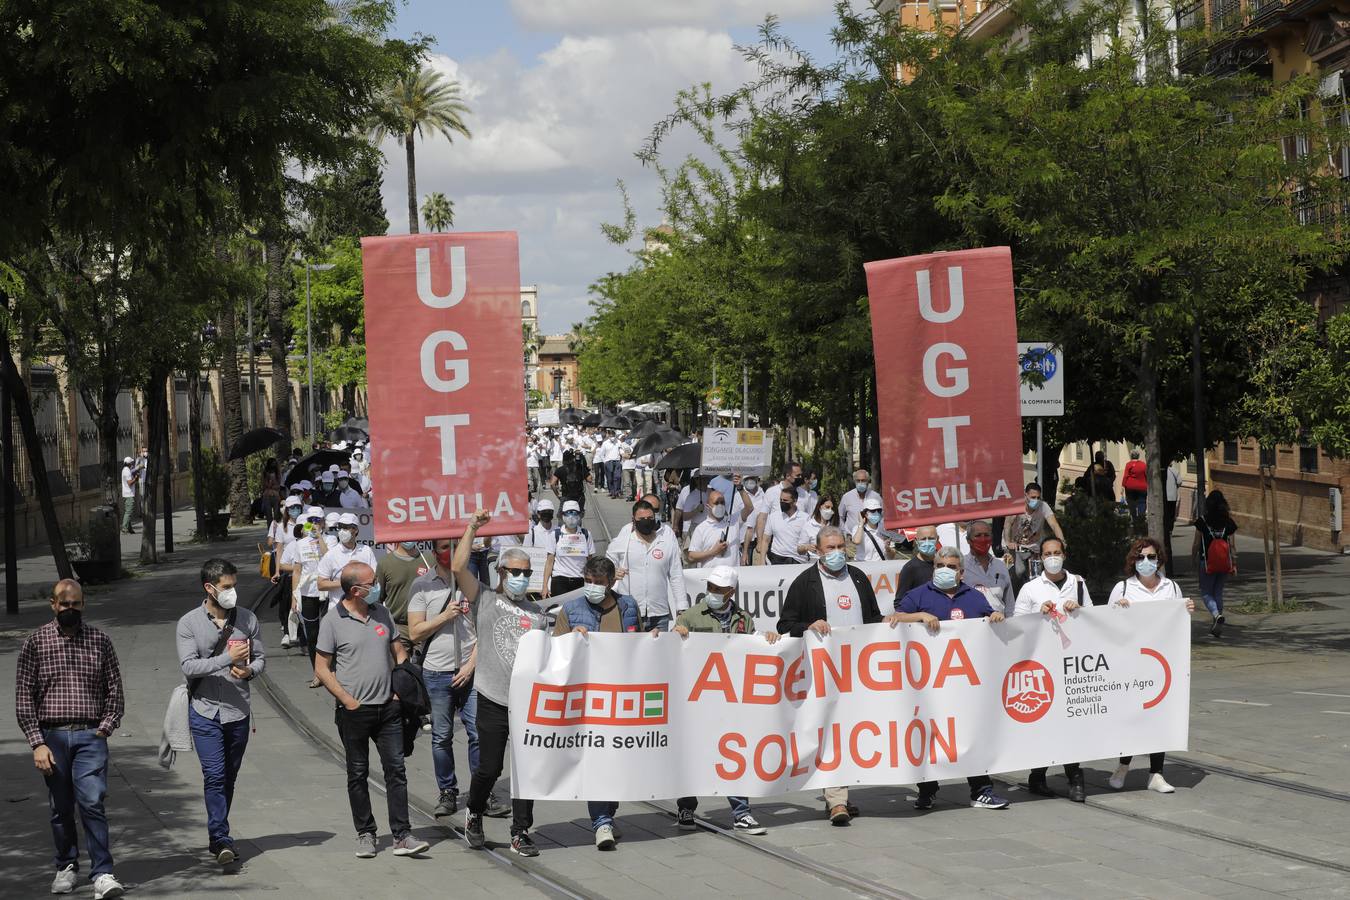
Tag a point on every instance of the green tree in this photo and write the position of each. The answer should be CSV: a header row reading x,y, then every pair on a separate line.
x,y
338,320
420,102
439,211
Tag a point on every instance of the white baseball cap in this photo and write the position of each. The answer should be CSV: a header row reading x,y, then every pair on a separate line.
x,y
545,505
343,473
341,445
128,460
331,520
872,503
326,476
571,506
305,485
334,467
314,512
348,519
722,576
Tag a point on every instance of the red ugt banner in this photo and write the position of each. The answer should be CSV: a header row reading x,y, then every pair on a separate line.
x,y
445,374
944,333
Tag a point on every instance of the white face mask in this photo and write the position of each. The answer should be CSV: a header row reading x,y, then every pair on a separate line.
x,y
827,514
718,510
347,535
1053,564
227,598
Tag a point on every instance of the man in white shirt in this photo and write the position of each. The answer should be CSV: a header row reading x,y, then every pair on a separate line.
x,y
128,493
717,540
783,531
538,534
691,507
647,560
851,504
629,464
568,549
347,550
869,538
330,525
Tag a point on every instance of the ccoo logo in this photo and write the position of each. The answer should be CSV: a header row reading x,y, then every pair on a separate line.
x,y
1028,691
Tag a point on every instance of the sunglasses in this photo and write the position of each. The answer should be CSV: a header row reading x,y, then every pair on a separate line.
x,y
1152,556
526,572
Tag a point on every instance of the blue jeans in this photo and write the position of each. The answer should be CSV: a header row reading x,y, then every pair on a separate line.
x,y
478,565
601,812
614,476
79,777
660,622
220,748
740,806
1211,591
446,700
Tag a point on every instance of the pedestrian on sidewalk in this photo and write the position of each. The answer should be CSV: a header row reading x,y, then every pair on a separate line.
x,y
1134,481
599,609
944,598
358,648
1215,555
1054,593
129,481
568,549
1144,583
830,594
439,621
68,699
220,650
718,613
506,614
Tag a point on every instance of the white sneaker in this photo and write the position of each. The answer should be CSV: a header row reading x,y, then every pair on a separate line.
x,y
286,642
106,885
1156,782
604,838
1117,779
64,882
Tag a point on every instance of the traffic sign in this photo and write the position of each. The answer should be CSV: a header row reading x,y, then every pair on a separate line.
x,y
748,451
1046,399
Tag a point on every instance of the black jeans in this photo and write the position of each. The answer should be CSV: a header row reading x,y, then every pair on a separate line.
x,y
1155,762
494,736
1071,771
777,560
382,724
312,611
977,783
561,584
284,600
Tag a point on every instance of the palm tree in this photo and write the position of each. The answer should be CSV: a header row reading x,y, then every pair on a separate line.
x,y
439,211
422,101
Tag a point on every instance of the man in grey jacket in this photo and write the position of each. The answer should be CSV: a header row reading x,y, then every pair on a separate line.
x,y
218,691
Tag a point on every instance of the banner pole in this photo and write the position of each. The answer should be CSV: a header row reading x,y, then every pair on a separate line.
x,y
1040,450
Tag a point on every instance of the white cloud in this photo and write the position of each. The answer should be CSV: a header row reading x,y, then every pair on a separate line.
x,y
550,138
589,16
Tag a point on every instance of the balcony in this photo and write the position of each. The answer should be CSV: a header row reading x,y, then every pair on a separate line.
x,y
1227,14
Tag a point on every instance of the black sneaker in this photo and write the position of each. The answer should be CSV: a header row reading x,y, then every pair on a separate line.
x,y
684,820
1036,785
925,801
523,845
473,831
447,805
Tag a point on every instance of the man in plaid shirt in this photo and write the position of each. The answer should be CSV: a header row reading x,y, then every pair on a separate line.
x,y
68,699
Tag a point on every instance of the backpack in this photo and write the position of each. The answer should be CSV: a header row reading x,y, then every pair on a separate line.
x,y
1218,556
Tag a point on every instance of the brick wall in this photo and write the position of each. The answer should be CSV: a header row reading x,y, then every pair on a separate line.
x,y
1303,498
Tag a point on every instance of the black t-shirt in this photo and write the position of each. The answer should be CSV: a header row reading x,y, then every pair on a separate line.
x,y
572,479
914,573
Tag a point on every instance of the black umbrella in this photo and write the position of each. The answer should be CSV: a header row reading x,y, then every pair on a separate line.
x,y
254,441
570,416
685,456
349,433
592,420
646,429
619,423
321,459
662,439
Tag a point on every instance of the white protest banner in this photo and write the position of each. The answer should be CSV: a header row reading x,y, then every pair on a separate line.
x,y
634,717
546,417
760,589
727,451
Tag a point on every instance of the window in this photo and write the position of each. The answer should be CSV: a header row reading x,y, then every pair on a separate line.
x,y
1230,453
1268,457
1307,458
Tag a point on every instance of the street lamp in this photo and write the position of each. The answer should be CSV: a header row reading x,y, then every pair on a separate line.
x,y
309,341
557,374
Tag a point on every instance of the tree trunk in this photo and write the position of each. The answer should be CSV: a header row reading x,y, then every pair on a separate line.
x,y
412,181
276,330
874,432
233,426
1148,397
1050,471
23,406
1275,527
1198,415
1265,536
154,401
195,445
167,457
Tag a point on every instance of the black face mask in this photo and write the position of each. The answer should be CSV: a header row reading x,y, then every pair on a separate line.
x,y
645,526
69,618
546,517
785,507
797,482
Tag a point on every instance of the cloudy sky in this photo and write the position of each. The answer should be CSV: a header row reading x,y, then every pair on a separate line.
x,y
563,92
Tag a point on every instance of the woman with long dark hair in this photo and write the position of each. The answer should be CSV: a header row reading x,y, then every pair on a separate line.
x,y
1145,582
1215,555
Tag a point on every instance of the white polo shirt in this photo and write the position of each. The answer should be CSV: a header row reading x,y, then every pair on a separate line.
x,y
1036,592
708,534
784,533
569,550
333,561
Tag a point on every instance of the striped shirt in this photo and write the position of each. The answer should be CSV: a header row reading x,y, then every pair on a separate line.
x,y
67,679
